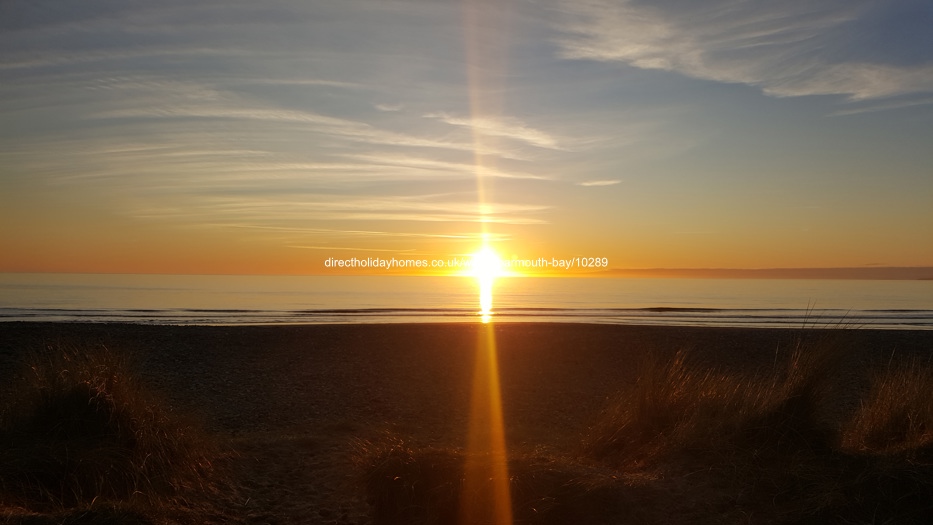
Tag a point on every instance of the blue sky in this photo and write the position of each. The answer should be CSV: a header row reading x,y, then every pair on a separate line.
x,y
252,137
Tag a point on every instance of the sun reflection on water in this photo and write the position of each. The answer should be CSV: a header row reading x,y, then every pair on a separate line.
x,y
486,266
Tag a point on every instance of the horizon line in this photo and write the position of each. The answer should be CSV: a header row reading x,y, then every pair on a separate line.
x,y
834,272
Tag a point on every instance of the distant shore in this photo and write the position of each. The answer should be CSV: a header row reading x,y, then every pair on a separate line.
x,y
883,273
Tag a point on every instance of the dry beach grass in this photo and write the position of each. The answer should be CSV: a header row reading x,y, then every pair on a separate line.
x,y
366,424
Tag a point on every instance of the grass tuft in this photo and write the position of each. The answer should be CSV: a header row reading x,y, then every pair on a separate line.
x,y
683,408
78,430
692,443
896,416
404,484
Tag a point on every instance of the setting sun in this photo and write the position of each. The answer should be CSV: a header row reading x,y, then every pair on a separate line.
x,y
485,266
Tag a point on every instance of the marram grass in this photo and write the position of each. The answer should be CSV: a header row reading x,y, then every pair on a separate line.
x,y
79,435
689,443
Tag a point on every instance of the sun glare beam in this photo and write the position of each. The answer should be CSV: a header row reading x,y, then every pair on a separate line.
x,y
485,496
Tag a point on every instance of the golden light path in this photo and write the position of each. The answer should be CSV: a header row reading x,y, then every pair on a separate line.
x,y
485,497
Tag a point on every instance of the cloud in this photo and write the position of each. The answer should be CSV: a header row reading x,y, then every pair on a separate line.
x,y
599,183
439,166
792,48
289,211
188,163
190,114
318,232
353,130
86,58
151,98
347,248
510,128
898,104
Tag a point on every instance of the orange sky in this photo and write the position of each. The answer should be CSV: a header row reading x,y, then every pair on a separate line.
x,y
368,131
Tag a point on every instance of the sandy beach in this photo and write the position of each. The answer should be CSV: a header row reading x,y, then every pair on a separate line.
x,y
297,401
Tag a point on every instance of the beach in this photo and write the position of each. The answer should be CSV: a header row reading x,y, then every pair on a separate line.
x,y
297,403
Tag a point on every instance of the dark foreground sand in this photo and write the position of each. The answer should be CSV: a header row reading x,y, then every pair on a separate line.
x,y
297,400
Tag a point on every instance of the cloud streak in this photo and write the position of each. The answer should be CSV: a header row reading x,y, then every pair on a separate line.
x,y
591,183
783,48
289,210
871,108
509,128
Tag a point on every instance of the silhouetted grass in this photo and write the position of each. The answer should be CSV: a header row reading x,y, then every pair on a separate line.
x,y
78,431
690,443
889,440
681,408
896,416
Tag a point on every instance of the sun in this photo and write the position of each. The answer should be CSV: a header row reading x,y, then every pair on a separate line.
x,y
485,267
486,264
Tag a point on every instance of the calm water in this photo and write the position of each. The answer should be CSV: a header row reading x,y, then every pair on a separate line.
x,y
187,299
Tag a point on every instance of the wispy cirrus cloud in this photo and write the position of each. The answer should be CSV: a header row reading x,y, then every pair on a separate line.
x,y
352,249
883,106
456,168
785,48
505,127
348,129
190,114
324,232
305,209
388,107
198,166
590,183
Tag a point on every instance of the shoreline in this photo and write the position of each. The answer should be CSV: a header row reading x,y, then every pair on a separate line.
x,y
888,320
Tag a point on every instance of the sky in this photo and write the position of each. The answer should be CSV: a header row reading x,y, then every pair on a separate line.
x,y
243,137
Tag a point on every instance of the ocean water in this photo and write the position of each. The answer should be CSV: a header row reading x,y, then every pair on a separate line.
x,y
197,299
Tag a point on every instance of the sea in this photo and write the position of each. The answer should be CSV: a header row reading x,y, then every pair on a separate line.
x,y
277,300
